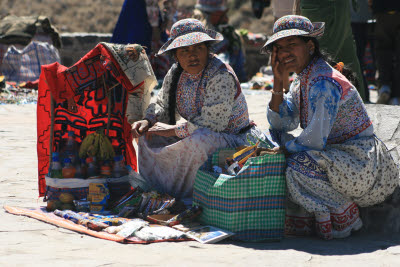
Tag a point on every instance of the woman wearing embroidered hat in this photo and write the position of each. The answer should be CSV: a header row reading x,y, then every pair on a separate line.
x,y
336,163
205,92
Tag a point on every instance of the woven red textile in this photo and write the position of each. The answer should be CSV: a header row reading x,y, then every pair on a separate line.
x,y
84,84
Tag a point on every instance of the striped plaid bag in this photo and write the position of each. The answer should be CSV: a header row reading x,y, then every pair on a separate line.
x,y
250,204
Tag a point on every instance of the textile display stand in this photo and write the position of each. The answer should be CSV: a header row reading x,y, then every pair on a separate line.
x,y
92,95
89,97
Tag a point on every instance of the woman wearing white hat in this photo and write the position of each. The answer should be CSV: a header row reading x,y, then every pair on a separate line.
x,y
205,92
336,163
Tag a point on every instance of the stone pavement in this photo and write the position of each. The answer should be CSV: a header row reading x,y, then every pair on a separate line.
x,y
28,242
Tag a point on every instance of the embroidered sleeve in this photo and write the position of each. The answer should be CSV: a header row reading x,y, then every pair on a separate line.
x,y
158,110
218,104
323,107
182,130
288,117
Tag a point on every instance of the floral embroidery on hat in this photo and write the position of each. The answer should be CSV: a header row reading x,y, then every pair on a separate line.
x,y
293,25
188,32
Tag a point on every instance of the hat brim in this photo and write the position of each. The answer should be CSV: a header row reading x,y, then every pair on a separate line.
x,y
191,39
318,31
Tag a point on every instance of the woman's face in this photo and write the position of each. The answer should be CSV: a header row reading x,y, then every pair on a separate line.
x,y
194,58
294,53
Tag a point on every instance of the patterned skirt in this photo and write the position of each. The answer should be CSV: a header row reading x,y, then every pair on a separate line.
x,y
326,186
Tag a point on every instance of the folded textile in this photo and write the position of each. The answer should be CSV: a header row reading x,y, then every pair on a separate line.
x,y
23,65
158,232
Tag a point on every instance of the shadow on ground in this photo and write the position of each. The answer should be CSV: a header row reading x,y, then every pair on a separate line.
x,y
358,243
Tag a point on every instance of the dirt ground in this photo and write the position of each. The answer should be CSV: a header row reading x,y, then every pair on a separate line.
x,y
102,15
28,242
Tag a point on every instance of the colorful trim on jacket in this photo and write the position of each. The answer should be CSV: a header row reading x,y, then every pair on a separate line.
x,y
352,117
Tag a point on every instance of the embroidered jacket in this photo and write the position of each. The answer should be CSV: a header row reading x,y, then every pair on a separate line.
x,y
327,106
210,99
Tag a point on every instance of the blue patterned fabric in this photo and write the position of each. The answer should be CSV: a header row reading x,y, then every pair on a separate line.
x,y
306,165
326,105
25,65
336,163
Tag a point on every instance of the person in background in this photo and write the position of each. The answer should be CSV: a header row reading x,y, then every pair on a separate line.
x,y
142,22
336,163
387,49
206,93
282,8
213,14
170,13
338,39
258,7
360,15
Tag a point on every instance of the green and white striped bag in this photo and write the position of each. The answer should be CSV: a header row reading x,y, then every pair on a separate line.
x,y
250,204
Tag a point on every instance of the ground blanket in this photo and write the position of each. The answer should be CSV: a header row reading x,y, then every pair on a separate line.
x,y
49,217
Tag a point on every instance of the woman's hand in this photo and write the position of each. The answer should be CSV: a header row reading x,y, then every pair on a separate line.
x,y
139,128
274,150
277,68
280,73
162,129
281,149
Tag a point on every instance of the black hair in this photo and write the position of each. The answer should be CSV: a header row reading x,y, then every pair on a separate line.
x,y
347,72
172,93
317,51
176,74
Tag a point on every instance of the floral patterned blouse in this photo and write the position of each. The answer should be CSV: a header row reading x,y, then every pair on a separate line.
x,y
210,99
327,106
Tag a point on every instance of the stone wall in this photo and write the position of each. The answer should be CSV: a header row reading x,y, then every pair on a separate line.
x,y
76,45
385,217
